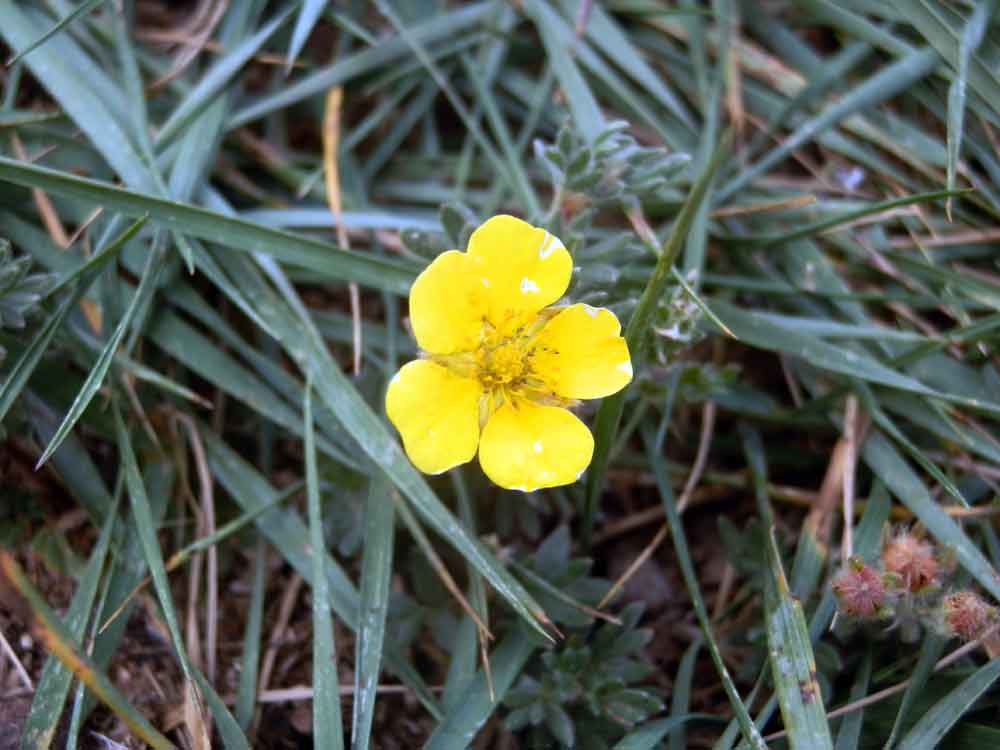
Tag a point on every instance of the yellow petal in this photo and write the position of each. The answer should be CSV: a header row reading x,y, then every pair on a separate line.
x,y
437,413
580,354
526,446
447,304
525,267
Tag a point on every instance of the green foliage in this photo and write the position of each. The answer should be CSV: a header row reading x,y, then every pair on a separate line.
x,y
20,291
587,691
841,257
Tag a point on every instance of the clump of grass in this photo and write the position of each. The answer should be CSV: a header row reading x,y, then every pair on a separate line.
x,y
793,211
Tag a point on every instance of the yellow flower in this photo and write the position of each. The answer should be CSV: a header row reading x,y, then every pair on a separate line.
x,y
500,367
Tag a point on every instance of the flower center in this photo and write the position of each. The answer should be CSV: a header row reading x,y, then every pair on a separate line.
x,y
503,364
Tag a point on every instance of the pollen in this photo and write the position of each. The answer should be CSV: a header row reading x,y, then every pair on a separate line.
x,y
503,365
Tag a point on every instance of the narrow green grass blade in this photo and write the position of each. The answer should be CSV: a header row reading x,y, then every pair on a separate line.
x,y
81,9
376,573
521,187
444,26
19,374
934,724
849,734
96,261
845,218
886,463
235,234
464,652
972,37
60,643
42,721
891,80
77,91
216,78
309,14
648,736
927,20
680,700
485,99
637,335
20,118
146,531
793,665
457,730
583,105
880,418
750,732
756,330
147,287
328,728
246,690
285,530
124,576
615,43
930,652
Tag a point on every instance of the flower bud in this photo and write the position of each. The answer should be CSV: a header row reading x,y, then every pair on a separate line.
x,y
860,590
912,559
966,615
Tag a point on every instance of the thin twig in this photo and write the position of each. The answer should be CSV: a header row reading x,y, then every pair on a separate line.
x,y
847,480
331,143
18,666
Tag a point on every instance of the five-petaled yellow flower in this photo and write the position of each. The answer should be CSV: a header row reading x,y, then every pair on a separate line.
x,y
500,367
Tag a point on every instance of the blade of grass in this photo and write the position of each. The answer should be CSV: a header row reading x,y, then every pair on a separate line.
x,y
146,532
750,732
482,697
376,573
680,700
756,330
849,734
246,690
927,20
216,78
930,652
285,530
637,336
328,728
888,426
42,722
444,26
81,9
972,37
309,14
60,643
944,714
648,736
147,286
793,665
84,92
229,232
888,82
587,115
617,46
462,665
770,241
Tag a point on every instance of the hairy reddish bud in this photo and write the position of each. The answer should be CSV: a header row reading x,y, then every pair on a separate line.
x,y
966,615
860,590
912,560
